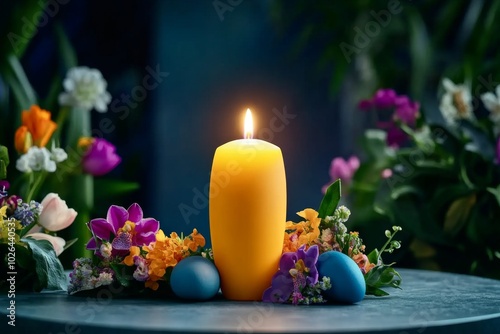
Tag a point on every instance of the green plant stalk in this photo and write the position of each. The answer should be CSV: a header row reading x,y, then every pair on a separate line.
x,y
385,245
35,186
81,195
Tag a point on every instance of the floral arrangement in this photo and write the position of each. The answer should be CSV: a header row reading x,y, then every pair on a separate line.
x,y
436,174
28,244
134,254
132,251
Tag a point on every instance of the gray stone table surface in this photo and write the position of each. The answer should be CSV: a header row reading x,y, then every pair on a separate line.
x,y
430,302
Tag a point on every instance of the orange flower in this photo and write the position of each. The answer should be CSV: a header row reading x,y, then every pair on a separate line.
x,y
194,240
363,262
303,233
38,123
23,140
134,251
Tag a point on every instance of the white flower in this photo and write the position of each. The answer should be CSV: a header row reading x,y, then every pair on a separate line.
x,y
456,102
85,88
22,164
36,159
58,154
492,103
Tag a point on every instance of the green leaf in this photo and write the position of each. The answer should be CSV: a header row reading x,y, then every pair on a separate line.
x,y
18,24
4,162
106,187
123,273
382,276
330,200
496,193
458,213
16,78
374,143
67,52
421,53
49,270
374,256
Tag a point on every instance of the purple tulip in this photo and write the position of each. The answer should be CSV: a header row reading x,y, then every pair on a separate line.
x,y
343,170
100,157
112,229
297,270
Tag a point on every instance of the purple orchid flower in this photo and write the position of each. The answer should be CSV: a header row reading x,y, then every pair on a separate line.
x,y
383,99
403,110
297,269
100,157
113,229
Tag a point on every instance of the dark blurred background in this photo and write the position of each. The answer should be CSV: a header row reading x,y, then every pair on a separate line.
x,y
310,61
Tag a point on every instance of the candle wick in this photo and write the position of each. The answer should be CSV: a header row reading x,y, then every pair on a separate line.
x,y
248,135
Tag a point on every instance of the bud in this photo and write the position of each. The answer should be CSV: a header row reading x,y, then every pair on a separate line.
x,y
23,139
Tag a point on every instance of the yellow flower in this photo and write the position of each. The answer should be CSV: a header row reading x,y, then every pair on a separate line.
x,y
302,233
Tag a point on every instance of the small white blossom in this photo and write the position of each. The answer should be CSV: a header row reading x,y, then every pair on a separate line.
x,y
456,102
36,159
58,154
85,88
492,103
22,164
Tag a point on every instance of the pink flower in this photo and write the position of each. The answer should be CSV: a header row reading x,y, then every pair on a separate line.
x,y
100,157
57,242
55,214
343,170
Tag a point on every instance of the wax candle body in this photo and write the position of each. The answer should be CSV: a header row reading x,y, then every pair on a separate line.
x,y
247,215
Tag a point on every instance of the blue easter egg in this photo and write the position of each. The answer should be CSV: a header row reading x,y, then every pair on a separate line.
x,y
195,278
348,283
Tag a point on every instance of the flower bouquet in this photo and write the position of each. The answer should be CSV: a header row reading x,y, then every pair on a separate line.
x,y
28,245
436,175
132,255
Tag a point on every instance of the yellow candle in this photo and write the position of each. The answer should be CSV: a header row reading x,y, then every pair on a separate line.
x,y
247,214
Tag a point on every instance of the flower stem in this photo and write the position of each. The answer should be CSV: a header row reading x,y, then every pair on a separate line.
x,y
36,184
25,230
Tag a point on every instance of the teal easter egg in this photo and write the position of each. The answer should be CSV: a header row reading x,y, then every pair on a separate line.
x,y
348,283
195,278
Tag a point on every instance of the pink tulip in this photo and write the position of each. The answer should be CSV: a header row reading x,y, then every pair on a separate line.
x,y
57,242
55,214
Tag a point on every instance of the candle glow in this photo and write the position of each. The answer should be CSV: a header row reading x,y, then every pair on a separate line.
x,y
248,127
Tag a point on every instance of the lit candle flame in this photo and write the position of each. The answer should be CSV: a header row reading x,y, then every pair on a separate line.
x,y
248,125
